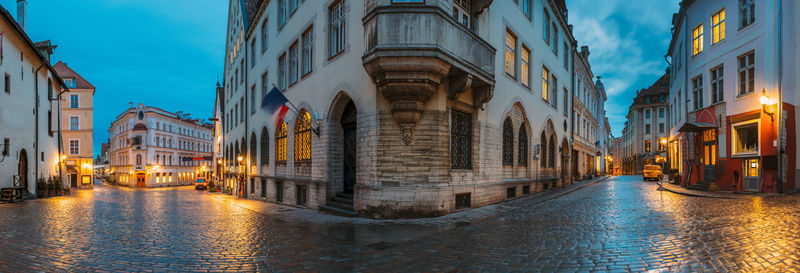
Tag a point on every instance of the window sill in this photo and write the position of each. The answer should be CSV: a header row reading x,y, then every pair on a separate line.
x,y
745,155
742,96
335,55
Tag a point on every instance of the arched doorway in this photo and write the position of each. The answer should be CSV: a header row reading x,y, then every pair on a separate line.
x,y
565,153
348,123
22,170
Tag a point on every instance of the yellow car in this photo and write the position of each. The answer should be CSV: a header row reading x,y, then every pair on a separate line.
x,y
652,172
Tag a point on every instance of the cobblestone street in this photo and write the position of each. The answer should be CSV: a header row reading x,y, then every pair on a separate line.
x,y
620,224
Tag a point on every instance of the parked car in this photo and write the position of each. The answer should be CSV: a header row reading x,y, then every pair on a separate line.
x,y
652,172
200,184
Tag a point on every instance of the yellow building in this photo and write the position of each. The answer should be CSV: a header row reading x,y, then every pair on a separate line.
x,y
76,127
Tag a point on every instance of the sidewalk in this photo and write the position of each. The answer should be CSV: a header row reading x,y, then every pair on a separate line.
x,y
666,186
464,217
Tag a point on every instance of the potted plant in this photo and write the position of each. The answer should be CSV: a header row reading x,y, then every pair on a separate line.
x,y
41,188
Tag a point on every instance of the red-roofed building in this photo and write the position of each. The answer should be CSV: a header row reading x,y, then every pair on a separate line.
x,y
77,126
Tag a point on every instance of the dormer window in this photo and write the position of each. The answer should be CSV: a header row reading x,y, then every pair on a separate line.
x,y
461,12
70,82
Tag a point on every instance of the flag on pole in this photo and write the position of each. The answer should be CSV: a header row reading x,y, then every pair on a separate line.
x,y
275,104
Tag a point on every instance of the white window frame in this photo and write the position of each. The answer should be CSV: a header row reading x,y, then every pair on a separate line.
x,y
735,138
77,101
70,122
78,147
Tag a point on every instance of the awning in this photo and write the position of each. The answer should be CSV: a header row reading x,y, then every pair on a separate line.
x,y
695,127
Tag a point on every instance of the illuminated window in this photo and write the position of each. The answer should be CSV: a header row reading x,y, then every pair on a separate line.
x,y
511,53
745,139
302,137
718,27
545,83
646,145
697,40
280,143
525,67
747,70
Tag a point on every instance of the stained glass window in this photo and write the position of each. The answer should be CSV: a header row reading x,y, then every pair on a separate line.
x,y
508,143
302,137
280,143
461,140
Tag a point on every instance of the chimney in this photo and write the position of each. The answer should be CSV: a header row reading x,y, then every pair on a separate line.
x,y
585,51
21,6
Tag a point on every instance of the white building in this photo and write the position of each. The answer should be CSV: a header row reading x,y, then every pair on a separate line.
x,y
588,98
150,147
733,61
402,109
29,132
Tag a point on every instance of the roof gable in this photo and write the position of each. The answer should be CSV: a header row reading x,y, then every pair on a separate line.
x,y
65,71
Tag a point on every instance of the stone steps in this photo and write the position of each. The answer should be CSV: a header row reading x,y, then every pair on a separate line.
x,y
341,204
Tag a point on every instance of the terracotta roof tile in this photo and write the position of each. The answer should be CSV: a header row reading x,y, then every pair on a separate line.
x,y
66,72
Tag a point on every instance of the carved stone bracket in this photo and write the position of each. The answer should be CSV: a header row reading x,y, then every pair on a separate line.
x,y
482,95
458,85
407,83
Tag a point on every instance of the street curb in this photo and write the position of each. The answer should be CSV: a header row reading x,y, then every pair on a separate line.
x,y
662,188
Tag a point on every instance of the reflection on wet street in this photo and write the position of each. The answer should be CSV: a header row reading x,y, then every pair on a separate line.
x,y
620,224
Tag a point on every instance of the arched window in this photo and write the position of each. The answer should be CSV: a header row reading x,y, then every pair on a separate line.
x,y
522,157
264,147
543,151
552,147
508,143
280,143
236,153
253,149
302,137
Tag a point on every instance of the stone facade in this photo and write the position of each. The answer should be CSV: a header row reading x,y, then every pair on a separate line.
x,y
407,105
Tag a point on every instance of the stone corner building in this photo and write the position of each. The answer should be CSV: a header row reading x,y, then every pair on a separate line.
x,y
398,110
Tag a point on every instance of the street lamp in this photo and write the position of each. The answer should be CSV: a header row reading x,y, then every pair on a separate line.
x,y
764,100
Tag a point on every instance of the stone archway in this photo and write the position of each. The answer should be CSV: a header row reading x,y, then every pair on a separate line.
x,y
22,170
342,131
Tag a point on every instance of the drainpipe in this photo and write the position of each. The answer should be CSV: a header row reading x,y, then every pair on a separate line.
x,y
780,99
60,139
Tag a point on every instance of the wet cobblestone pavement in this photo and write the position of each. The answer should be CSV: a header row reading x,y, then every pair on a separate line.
x,y
621,224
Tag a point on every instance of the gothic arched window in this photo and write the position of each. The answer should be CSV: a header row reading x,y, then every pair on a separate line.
x,y
522,157
543,151
280,143
552,147
508,143
253,149
264,146
302,137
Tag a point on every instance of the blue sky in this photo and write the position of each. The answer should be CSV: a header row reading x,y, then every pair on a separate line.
x,y
168,53
161,53
627,41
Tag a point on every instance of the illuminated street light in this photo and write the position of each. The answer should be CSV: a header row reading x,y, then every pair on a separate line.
x,y
764,100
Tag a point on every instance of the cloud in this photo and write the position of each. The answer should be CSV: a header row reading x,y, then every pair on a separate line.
x,y
627,41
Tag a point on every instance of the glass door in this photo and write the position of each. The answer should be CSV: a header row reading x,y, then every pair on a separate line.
x,y
709,155
751,179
